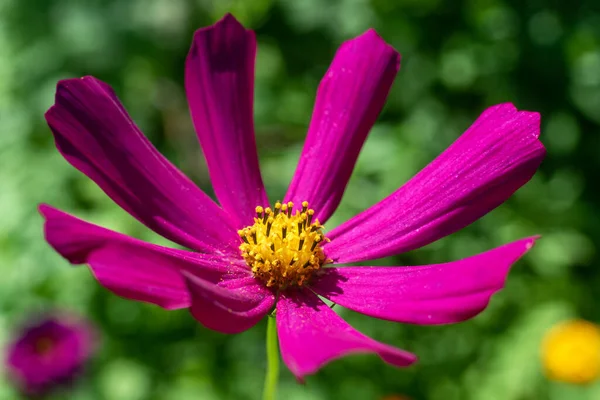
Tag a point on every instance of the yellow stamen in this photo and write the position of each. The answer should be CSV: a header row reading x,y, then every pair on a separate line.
x,y
282,249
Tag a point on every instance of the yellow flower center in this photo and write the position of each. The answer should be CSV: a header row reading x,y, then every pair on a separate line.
x,y
571,352
283,248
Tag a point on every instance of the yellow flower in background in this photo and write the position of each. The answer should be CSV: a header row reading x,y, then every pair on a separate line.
x,y
571,352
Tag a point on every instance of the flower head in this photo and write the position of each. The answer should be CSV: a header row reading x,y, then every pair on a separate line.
x,y
245,257
48,353
571,352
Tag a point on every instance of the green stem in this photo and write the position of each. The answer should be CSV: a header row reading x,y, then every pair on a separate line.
x,y
272,361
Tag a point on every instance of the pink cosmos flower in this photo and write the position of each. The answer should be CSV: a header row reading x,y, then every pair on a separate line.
x,y
246,258
48,353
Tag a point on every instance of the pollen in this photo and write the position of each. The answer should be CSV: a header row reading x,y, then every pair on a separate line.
x,y
282,247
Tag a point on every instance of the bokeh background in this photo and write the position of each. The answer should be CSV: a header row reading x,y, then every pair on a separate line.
x,y
459,57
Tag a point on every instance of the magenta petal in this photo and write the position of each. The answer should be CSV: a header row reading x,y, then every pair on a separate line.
x,y
219,81
231,307
94,133
498,154
431,294
132,268
349,99
311,334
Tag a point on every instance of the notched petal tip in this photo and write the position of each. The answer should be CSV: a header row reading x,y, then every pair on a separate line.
x,y
94,133
529,122
70,82
74,87
499,153
44,209
61,86
370,39
126,266
426,295
219,83
53,216
225,45
229,19
227,24
525,117
349,99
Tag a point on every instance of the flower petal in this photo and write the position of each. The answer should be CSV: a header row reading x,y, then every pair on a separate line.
x,y
132,268
311,334
498,154
349,99
94,133
219,81
231,307
431,294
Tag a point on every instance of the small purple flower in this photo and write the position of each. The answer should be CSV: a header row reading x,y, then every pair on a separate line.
x,y
247,258
49,353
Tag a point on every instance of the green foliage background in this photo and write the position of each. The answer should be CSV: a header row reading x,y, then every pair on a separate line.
x,y
458,58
